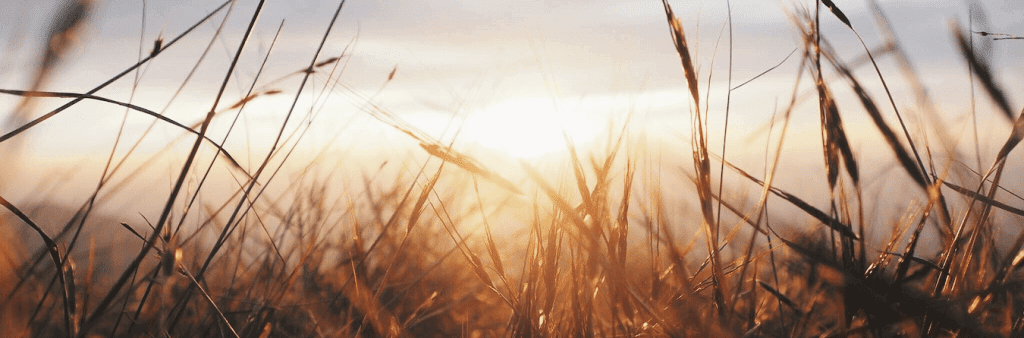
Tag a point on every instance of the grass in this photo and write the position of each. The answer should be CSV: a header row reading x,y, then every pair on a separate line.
x,y
596,252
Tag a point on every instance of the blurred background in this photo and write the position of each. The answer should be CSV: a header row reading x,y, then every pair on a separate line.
x,y
502,81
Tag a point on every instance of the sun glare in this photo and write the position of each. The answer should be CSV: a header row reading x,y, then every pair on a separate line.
x,y
528,129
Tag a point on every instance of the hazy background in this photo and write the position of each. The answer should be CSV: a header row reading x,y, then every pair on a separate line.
x,y
509,73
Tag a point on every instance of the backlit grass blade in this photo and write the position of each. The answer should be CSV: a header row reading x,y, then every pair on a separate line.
x,y
55,256
984,199
679,40
982,71
785,300
902,155
143,110
46,116
838,13
821,216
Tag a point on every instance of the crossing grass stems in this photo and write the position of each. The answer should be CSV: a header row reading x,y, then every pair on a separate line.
x,y
598,253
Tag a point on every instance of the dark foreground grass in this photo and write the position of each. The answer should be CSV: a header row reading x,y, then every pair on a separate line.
x,y
597,254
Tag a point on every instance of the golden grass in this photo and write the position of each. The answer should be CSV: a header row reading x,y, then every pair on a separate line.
x,y
598,252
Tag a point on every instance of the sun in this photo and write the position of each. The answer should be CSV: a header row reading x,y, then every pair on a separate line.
x,y
527,129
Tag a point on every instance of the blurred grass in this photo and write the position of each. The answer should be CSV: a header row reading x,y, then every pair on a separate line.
x,y
453,248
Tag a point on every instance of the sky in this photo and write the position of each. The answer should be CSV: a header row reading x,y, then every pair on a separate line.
x,y
512,74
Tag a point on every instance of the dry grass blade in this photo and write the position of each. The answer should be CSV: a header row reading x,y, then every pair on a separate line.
x,y
437,149
821,216
836,144
981,70
218,245
902,155
327,62
213,304
928,107
362,298
119,284
836,141
392,220
911,76
417,208
143,110
829,143
1016,135
55,256
838,13
1017,259
785,300
984,199
622,228
745,216
478,269
996,172
679,40
252,96
465,162
391,75
130,229
581,178
550,264
766,71
1001,36
914,166
47,116
66,29
1011,264
812,254
908,254
560,202
492,248
701,163
63,34
926,264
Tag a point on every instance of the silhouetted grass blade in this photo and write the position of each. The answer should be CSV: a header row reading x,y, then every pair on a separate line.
x,y
838,13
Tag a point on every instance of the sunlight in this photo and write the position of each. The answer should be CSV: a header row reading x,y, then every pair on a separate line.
x,y
529,128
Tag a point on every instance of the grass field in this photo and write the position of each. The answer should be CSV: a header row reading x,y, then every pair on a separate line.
x,y
616,236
